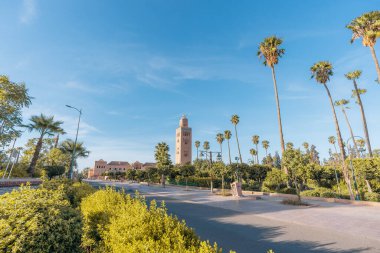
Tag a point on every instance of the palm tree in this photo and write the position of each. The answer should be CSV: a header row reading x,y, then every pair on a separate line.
x,y
354,75
256,141
46,126
265,144
305,145
253,152
227,136
332,141
67,147
220,139
342,103
197,145
322,71
269,49
206,145
235,120
367,27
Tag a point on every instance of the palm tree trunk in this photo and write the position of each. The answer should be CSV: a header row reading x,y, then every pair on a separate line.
x,y
197,154
351,132
229,151
257,154
341,147
237,140
223,184
364,120
278,111
35,156
376,62
221,151
56,141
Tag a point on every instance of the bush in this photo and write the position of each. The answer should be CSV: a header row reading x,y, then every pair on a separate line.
x,y
74,191
319,192
116,222
288,191
53,171
372,196
275,181
38,220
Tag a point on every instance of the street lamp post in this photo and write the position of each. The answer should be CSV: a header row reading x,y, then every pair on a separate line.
x,y
75,142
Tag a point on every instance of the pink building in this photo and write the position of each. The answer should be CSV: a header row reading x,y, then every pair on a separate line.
x,y
102,167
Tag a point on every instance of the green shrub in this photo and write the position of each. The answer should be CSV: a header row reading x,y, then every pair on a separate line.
x,y
275,181
53,171
74,191
372,196
319,192
38,220
116,222
288,191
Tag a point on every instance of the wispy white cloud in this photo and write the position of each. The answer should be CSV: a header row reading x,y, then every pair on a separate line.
x,y
82,87
28,11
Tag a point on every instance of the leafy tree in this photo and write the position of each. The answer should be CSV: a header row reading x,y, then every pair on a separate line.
x,y
314,154
297,163
343,105
322,71
235,120
163,160
277,160
222,170
13,98
367,27
46,126
354,75
306,146
38,220
197,145
227,136
269,49
256,141
187,171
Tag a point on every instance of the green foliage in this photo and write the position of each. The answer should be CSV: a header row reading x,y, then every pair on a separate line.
x,y
38,220
116,222
275,180
54,170
372,196
73,191
320,192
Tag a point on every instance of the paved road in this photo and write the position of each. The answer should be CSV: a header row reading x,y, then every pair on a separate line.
x,y
248,225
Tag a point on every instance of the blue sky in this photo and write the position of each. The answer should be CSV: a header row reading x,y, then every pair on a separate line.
x,y
135,67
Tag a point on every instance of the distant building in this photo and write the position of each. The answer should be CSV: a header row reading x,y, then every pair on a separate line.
x,y
183,142
102,167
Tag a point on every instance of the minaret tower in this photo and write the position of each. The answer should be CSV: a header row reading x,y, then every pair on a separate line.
x,y
183,142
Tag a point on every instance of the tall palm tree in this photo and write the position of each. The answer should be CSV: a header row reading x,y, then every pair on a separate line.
x,y
220,139
269,49
227,136
256,141
322,71
342,103
265,144
367,27
253,153
206,145
197,145
46,126
235,120
354,75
